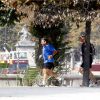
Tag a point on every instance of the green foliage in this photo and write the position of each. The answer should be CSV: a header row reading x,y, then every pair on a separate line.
x,y
3,65
30,75
8,16
1,4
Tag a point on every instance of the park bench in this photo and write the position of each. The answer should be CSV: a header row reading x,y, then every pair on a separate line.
x,y
96,70
74,77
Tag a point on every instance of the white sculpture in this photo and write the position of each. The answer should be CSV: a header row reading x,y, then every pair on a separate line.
x,y
25,34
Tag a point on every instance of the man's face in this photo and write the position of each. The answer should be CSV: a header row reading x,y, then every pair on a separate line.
x,y
82,39
43,42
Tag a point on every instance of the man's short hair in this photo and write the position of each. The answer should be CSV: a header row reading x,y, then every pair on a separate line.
x,y
83,34
45,39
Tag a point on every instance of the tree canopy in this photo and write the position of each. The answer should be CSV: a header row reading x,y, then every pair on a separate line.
x,y
8,15
67,8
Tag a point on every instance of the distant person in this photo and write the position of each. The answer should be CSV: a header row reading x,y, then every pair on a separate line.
x,y
92,52
48,52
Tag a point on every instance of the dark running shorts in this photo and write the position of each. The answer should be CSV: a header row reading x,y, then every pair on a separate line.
x,y
48,65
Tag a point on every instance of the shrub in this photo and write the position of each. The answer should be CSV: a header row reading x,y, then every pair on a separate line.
x,y
30,75
3,65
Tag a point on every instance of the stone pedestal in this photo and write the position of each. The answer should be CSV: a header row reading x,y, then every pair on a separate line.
x,y
27,45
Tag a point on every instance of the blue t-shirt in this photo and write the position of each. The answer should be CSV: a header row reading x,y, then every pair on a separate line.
x,y
46,51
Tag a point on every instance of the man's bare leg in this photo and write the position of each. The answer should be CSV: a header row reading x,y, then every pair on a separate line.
x,y
52,74
45,76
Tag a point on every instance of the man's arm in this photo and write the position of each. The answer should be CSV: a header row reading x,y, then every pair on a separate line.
x,y
54,52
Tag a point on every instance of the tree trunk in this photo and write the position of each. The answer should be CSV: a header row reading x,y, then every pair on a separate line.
x,y
87,55
39,60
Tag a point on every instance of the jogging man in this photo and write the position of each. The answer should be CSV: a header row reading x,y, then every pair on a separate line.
x,y
48,52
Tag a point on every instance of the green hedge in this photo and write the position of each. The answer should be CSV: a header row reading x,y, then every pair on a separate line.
x,y
30,75
3,65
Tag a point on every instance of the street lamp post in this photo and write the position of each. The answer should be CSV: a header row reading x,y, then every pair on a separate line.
x,y
17,66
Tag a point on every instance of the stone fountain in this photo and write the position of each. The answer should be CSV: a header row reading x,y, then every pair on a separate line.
x,y
25,43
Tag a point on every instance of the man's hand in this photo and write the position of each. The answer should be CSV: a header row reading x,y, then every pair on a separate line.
x,y
50,56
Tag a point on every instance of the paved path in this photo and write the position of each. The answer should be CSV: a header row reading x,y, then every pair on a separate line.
x,y
49,93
